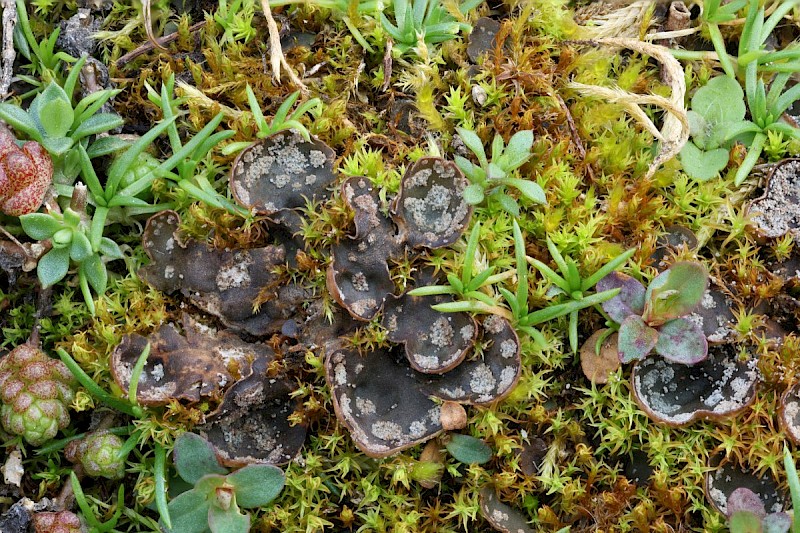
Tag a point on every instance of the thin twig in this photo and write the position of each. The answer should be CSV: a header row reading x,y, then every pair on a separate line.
x,y
576,139
9,53
276,57
387,65
146,47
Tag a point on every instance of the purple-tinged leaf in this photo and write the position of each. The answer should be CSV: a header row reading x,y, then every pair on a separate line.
x,y
675,292
744,499
682,341
636,339
629,301
776,523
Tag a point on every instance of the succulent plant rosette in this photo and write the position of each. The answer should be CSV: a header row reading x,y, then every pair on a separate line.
x,y
655,317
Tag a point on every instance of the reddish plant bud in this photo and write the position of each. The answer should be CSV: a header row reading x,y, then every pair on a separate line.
x,y
25,175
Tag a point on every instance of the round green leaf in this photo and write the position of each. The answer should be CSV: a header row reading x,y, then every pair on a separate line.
x,y
720,100
57,146
81,248
529,189
701,165
468,449
228,520
473,194
518,150
39,226
508,204
110,249
96,274
194,458
256,485
189,512
675,292
56,117
53,266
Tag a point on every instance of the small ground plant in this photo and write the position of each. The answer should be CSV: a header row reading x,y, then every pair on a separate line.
x,y
654,318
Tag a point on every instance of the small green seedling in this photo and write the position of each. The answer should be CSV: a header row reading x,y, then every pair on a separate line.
x,y
653,318
570,284
213,503
520,313
717,111
46,65
468,286
489,179
60,127
236,19
281,121
69,234
720,107
423,23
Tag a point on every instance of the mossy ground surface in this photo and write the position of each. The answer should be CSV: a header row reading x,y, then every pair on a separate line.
x,y
599,204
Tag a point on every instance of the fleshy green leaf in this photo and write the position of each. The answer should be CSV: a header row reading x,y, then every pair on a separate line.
x,y
720,100
507,203
194,458
107,145
56,117
682,341
675,292
80,248
57,146
636,339
228,520
110,249
473,172
96,274
256,485
529,189
19,120
701,165
469,450
473,194
474,143
53,266
97,124
39,226
189,512
518,150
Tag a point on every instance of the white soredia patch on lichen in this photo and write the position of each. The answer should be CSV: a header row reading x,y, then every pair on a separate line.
x,y
482,380
388,431
508,348
441,332
360,282
235,272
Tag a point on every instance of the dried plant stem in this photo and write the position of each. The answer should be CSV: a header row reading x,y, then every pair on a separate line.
x,y
148,25
9,53
276,57
675,131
